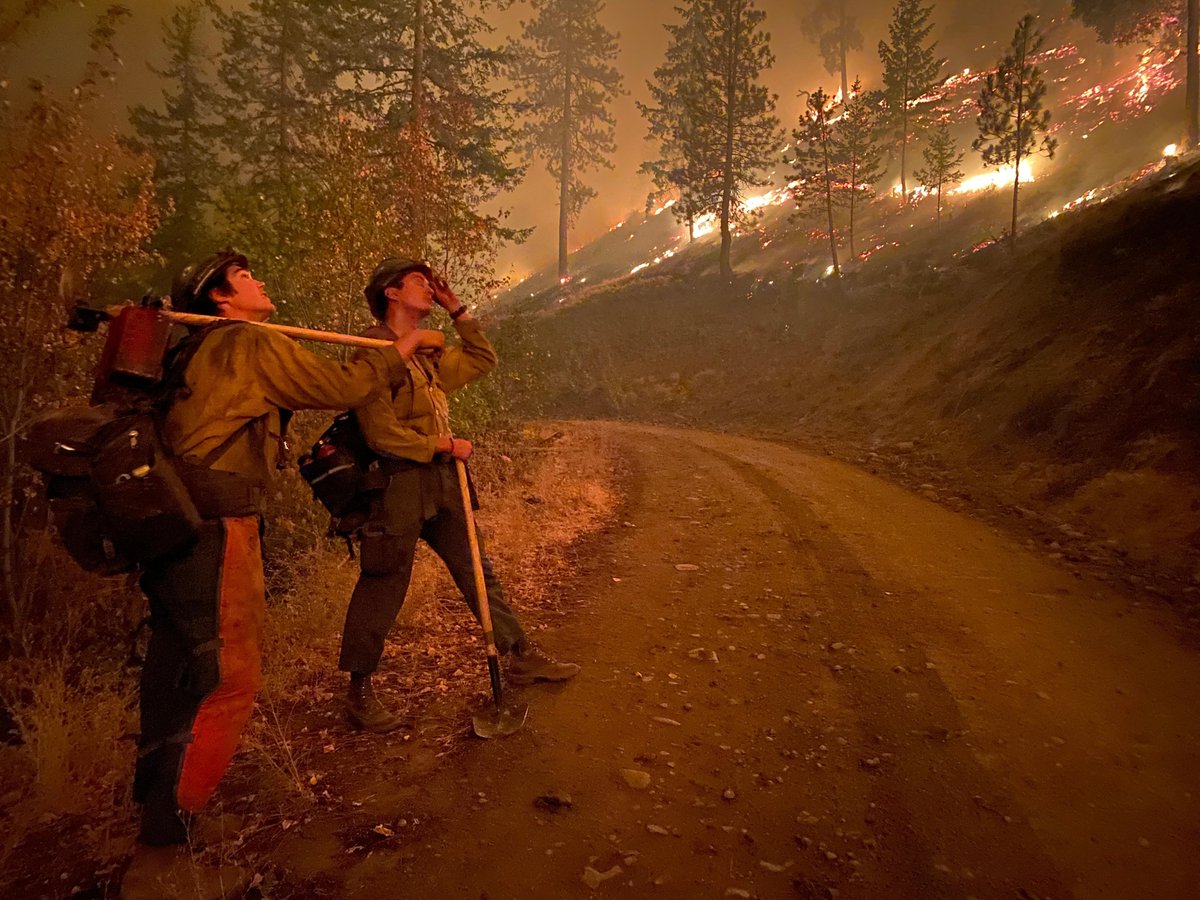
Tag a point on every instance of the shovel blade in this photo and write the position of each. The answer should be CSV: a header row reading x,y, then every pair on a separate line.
x,y
499,721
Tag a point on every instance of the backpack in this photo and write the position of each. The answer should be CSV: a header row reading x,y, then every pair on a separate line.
x,y
117,496
339,471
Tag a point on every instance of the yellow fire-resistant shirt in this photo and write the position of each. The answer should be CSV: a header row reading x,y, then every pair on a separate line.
x,y
404,422
242,372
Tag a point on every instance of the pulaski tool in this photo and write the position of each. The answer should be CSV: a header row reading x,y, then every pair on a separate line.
x,y
500,720
138,337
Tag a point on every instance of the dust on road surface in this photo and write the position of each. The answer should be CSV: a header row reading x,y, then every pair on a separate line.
x,y
833,687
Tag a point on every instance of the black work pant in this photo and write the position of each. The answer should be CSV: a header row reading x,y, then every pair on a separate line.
x,y
202,671
421,504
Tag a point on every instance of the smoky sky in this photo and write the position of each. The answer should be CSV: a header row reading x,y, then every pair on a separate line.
x,y
963,28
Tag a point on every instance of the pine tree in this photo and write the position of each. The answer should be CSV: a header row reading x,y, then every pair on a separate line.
x,y
180,137
856,145
830,26
742,133
276,93
675,118
910,70
942,159
1011,113
1193,74
567,84
421,70
818,168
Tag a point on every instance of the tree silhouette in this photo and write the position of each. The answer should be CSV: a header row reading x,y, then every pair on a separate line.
x,y
1011,115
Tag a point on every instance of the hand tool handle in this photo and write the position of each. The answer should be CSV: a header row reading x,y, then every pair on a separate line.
x,y
308,334
485,613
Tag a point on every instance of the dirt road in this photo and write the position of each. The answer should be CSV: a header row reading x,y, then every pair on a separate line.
x,y
833,688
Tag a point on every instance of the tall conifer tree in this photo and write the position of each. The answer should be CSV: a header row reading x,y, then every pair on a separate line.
x,y
830,26
568,83
275,98
180,137
675,118
942,159
856,139
421,70
743,132
1011,112
910,70
818,168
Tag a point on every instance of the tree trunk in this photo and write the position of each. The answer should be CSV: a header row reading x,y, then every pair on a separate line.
x,y
726,232
8,548
853,203
564,174
1019,125
733,39
564,201
837,269
418,72
1193,74
939,208
1012,238
904,146
285,99
842,40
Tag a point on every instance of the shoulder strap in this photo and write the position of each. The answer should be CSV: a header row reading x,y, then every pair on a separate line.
x,y
176,362
173,383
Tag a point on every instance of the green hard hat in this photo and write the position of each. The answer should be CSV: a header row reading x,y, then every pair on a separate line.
x,y
190,285
388,273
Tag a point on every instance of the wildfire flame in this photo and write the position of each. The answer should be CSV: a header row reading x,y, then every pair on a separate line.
x,y
1000,178
1140,82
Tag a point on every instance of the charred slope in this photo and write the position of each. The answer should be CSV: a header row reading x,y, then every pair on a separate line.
x,y
1065,377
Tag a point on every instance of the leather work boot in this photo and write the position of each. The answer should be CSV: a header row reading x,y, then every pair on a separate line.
x,y
530,664
172,873
364,710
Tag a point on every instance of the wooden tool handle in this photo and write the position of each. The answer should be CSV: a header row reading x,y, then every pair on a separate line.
x,y
485,612
307,334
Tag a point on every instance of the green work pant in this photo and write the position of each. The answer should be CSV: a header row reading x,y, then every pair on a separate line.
x,y
423,502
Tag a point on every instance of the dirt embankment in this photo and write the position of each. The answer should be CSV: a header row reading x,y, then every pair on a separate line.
x,y
1059,385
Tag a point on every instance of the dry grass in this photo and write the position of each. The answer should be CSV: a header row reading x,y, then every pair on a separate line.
x,y
542,491
76,727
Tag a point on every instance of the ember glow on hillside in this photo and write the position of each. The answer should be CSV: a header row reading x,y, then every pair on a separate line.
x,y
1131,88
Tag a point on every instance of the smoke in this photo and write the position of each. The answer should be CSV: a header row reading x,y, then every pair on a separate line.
x,y
969,33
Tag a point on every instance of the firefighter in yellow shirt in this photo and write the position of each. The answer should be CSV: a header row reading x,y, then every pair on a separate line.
x,y
409,428
207,602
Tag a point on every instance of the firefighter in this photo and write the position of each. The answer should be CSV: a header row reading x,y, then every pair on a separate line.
x,y
410,430
207,603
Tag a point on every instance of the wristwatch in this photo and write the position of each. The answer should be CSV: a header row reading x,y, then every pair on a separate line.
x,y
458,312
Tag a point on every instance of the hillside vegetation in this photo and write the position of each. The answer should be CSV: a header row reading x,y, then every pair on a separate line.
x,y
1059,384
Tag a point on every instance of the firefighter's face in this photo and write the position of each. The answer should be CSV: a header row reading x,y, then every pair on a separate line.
x,y
246,298
414,294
